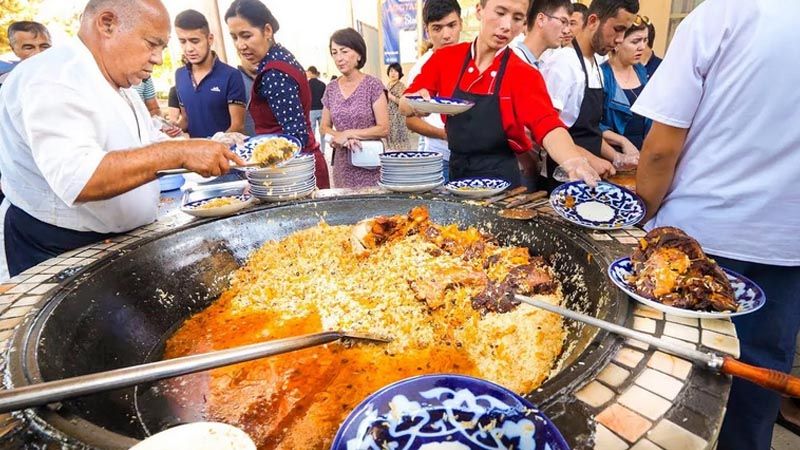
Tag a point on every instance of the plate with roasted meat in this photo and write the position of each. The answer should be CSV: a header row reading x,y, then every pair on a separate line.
x,y
670,272
603,207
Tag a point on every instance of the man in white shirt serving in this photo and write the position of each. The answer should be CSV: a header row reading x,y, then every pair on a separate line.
x,y
722,163
575,81
78,167
442,21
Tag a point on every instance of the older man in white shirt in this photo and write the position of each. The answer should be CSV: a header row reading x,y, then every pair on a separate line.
x,y
80,151
721,163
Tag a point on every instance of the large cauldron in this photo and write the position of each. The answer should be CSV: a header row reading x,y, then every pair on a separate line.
x,y
118,311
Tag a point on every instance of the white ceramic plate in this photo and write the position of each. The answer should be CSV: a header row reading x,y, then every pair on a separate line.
x,y
412,188
440,105
198,436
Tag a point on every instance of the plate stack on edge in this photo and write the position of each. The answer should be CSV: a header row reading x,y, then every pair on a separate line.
x,y
294,179
411,171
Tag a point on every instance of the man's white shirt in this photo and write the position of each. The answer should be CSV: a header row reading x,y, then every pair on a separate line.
x,y
58,118
728,77
565,80
427,144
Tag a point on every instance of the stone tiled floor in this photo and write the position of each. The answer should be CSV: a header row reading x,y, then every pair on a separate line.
x,y
783,439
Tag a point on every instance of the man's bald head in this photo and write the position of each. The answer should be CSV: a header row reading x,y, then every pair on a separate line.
x,y
126,37
128,11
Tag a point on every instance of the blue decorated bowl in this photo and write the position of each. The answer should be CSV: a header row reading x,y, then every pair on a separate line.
x,y
246,151
477,187
458,411
605,207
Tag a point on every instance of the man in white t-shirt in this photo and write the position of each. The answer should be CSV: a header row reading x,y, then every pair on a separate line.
x,y
575,81
80,151
722,163
442,21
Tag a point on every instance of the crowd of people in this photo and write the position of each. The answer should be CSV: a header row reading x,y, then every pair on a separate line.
x,y
555,86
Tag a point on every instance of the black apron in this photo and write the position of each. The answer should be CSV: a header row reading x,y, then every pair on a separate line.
x,y
477,140
29,241
586,129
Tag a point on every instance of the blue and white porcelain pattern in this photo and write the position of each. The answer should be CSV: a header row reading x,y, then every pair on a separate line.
x,y
195,208
440,105
749,295
463,412
477,187
245,151
605,207
399,156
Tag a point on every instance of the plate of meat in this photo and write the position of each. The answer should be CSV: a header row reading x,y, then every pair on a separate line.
x,y
670,272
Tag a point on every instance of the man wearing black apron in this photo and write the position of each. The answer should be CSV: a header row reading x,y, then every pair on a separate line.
x,y
582,106
486,153
76,168
511,101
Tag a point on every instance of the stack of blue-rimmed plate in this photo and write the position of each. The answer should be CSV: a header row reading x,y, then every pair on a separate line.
x,y
295,179
411,171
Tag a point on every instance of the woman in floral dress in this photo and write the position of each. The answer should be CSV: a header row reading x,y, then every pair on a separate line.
x,y
399,136
354,109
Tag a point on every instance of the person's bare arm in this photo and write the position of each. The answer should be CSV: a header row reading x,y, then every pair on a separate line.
x,y
381,129
152,106
657,163
237,118
419,126
183,121
607,151
124,170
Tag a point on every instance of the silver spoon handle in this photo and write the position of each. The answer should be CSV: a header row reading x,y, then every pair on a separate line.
x,y
166,172
710,360
53,391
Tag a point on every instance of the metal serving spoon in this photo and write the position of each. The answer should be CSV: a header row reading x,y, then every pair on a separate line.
x,y
53,391
768,378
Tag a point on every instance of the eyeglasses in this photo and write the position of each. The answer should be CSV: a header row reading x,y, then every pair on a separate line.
x,y
564,21
641,20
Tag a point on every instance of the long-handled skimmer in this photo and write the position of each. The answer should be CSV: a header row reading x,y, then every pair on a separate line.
x,y
768,378
53,391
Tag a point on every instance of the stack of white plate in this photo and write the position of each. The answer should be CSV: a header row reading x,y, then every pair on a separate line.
x,y
411,171
294,179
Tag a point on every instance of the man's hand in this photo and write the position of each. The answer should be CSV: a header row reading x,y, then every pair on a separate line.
x,y
229,139
580,169
171,131
209,158
602,166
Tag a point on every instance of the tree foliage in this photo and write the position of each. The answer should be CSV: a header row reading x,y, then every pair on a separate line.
x,y
12,11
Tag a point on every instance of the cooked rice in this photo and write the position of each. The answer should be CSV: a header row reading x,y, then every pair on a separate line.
x,y
312,281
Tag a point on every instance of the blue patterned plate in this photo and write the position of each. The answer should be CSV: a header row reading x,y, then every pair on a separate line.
x,y
198,208
748,294
409,157
464,412
605,207
440,105
246,151
477,187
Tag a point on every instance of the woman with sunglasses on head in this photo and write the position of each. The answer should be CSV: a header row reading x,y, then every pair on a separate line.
x,y
625,78
281,97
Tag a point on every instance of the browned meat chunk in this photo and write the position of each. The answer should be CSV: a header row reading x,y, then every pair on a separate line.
x,y
497,297
432,290
531,279
671,267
